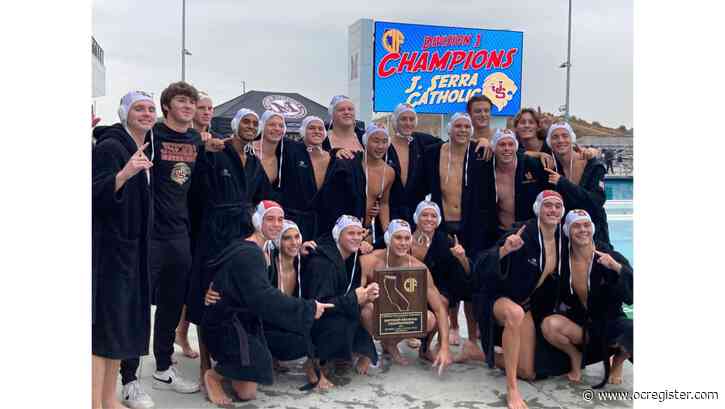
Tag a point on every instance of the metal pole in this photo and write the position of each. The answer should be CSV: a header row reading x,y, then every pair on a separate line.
x,y
568,66
183,40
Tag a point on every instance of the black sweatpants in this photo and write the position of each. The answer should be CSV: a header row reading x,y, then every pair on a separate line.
x,y
170,265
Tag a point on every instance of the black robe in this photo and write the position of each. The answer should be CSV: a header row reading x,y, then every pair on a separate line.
x,y
588,195
221,201
326,278
285,345
315,211
479,219
232,328
603,318
448,274
529,180
122,223
404,199
358,184
515,277
359,132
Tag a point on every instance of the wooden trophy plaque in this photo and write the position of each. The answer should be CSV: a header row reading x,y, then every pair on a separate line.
x,y
401,310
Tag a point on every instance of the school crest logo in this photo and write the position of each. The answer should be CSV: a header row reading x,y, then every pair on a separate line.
x,y
500,89
302,164
529,176
180,173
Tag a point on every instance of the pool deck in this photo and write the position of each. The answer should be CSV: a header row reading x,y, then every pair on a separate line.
x,y
469,386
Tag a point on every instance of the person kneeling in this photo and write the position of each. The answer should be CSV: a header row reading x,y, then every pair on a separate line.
x,y
398,241
594,285
232,327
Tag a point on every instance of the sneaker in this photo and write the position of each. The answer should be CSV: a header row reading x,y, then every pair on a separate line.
x,y
170,379
133,396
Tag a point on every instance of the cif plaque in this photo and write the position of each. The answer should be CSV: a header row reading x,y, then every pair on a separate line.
x,y
401,310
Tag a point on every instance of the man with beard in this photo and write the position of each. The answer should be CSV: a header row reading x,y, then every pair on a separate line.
x,y
516,284
332,274
246,299
224,189
317,187
405,155
580,181
398,239
594,284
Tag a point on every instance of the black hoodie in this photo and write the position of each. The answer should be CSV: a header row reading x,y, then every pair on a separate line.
x,y
122,223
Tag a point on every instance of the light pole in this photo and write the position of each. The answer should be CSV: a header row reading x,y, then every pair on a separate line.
x,y
567,65
184,51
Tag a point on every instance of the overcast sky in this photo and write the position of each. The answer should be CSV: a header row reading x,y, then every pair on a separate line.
x,y
295,46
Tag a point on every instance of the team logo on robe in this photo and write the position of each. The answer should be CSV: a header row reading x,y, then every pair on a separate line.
x,y
180,173
500,89
302,164
225,173
529,176
285,106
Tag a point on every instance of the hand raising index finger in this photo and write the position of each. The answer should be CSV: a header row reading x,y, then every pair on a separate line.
x,y
521,230
142,148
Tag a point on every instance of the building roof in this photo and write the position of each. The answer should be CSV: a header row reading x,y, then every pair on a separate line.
x,y
293,106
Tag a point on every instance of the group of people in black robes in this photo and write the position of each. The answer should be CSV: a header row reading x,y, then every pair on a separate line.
x,y
210,229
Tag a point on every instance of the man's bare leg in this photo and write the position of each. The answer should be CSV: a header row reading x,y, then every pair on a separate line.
x,y
432,327
565,335
182,336
245,390
615,374
98,372
204,362
471,350
109,397
527,349
367,318
454,336
214,390
309,367
325,383
511,315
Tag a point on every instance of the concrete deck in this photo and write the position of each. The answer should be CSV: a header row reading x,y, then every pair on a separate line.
x,y
470,386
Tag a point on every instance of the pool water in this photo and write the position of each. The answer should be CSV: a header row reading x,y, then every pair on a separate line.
x,y
619,207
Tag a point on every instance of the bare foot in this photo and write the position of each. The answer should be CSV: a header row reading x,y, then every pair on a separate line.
x,y
362,365
515,401
309,368
392,349
214,389
182,341
454,338
324,383
413,343
470,352
615,374
575,375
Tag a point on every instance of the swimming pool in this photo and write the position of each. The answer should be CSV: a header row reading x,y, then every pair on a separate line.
x,y
620,212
